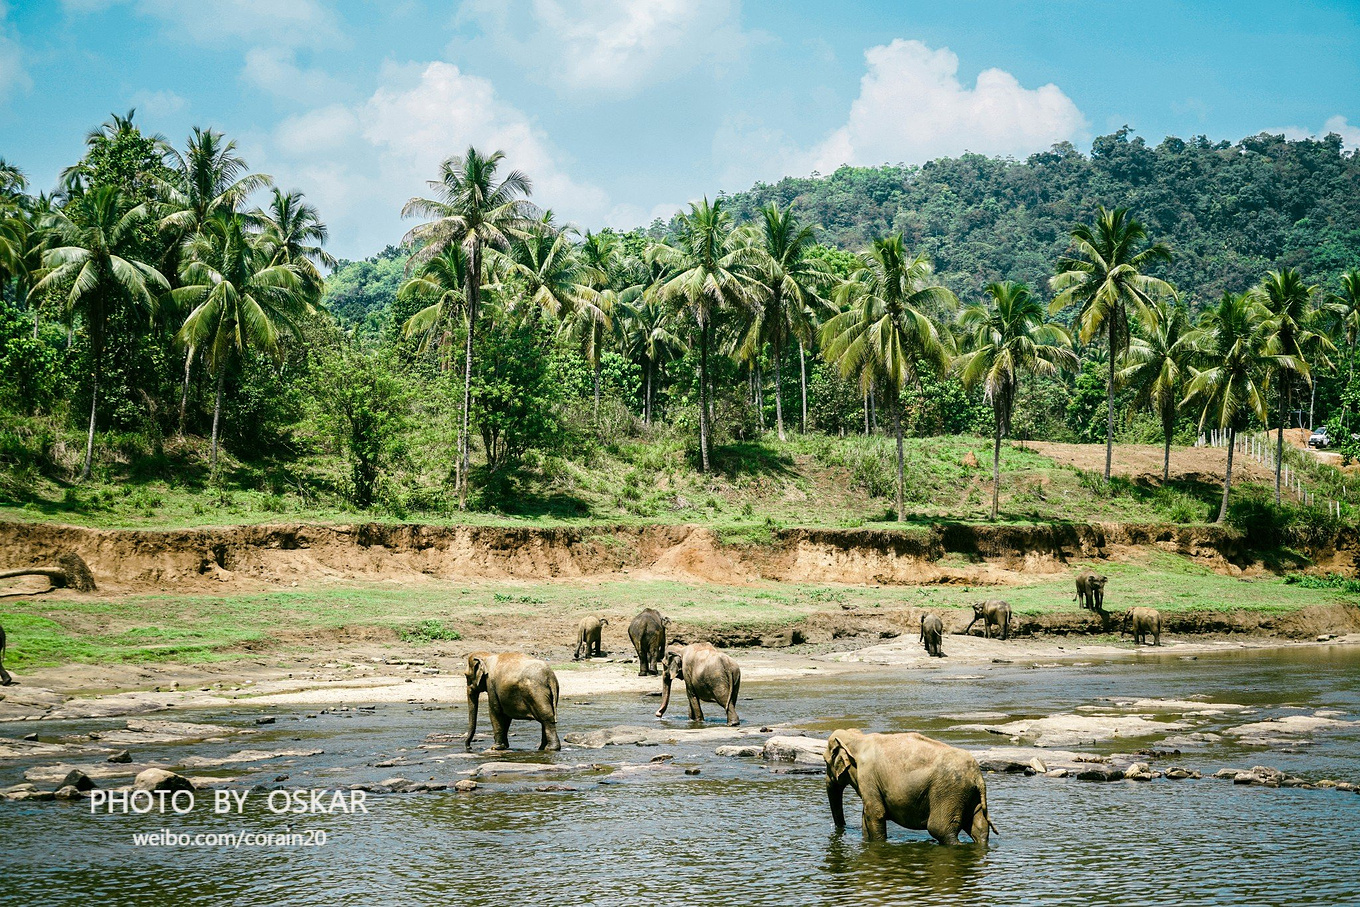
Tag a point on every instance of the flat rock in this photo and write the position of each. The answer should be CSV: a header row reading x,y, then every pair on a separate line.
x,y
1272,729
1076,730
800,750
487,769
634,735
739,751
99,771
107,707
246,756
11,748
1173,705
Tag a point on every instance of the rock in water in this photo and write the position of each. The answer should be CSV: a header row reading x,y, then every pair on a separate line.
x,y
77,779
122,757
158,779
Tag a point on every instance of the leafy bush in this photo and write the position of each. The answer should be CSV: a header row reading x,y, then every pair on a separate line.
x,y
429,631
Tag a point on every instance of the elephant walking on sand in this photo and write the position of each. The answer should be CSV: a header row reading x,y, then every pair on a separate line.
x,y
648,634
516,686
932,635
5,679
588,633
1091,591
1143,622
709,675
915,781
992,613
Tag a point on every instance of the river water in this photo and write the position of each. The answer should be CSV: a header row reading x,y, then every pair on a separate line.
x,y
737,832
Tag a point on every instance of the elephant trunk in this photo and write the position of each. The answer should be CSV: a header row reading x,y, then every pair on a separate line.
x,y
665,694
835,792
474,699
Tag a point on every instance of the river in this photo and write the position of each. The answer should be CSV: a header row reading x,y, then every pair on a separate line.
x,y
737,832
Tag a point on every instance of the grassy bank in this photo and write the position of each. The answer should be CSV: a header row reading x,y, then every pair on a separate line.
x,y
540,616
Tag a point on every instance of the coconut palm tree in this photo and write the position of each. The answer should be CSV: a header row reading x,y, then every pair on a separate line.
x,y
1287,326
1232,386
647,328
442,279
1103,275
883,336
791,286
294,233
477,211
1157,366
238,299
1346,306
1006,338
93,262
706,277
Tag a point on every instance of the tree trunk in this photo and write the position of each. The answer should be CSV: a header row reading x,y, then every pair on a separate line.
x,y
996,470
94,407
1109,416
759,379
184,390
217,414
866,414
474,275
901,466
802,380
597,389
1279,436
703,397
1227,475
779,392
647,398
1166,458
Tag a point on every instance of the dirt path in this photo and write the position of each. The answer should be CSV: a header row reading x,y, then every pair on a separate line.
x,y
1191,464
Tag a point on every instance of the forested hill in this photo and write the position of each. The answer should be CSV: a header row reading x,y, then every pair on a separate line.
x,y
1228,211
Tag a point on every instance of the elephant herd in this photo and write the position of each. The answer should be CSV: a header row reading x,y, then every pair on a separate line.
x,y
1143,623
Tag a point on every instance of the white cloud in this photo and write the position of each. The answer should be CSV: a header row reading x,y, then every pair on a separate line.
x,y
275,70
912,107
13,75
610,48
359,163
1350,135
158,103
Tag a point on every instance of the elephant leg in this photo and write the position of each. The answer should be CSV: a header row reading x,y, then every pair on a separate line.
x,y
696,712
944,829
500,730
732,719
874,822
1006,630
549,739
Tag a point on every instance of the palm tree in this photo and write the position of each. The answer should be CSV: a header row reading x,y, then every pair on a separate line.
x,y
238,299
790,287
294,233
706,277
1231,386
883,335
1285,298
442,279
1103,276
1006,340
476,211
1346,306
1157,365
648,332
93,262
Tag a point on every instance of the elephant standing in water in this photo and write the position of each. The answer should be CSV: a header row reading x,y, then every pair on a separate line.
x,y
913,780
648,633
709,675
588,633
1091,591
932,635
992,612
1143,622
516,686
5,679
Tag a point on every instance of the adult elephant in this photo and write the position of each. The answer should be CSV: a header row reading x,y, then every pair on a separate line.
x,y
915,781
648,633
588,634
992,613
5,679
1091,591
1143,622
932,635
709,675
516,686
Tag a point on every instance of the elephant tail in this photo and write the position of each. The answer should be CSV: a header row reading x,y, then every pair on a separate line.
x,y
987,814
732,696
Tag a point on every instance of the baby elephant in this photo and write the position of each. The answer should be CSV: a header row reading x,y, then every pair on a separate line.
x,y
588,633
709,675
992,612
1143,622
516,686
913,780
932,635
1091,591
5,679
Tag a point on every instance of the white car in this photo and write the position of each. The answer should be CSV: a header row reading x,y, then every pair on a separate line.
x,y
1319,439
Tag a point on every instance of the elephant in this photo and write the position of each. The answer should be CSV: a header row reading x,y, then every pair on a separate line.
x,y
991,612
648,633
588,633
932,635
915,781
1091,591
709,675
516,686
5,679
1143,621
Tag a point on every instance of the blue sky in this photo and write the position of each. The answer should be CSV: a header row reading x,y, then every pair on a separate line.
x,y
622,110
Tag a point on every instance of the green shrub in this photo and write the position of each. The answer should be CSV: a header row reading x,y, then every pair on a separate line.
x,y
429,631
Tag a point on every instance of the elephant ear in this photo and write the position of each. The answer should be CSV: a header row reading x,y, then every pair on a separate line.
x,y
476,672
838,756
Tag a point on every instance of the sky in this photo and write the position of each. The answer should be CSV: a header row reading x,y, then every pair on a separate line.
x,y
621,111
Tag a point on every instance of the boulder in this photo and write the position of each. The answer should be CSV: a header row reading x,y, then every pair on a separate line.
x,y
77,779
739,751
66,792
800,750
464,786
158,779
122,757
